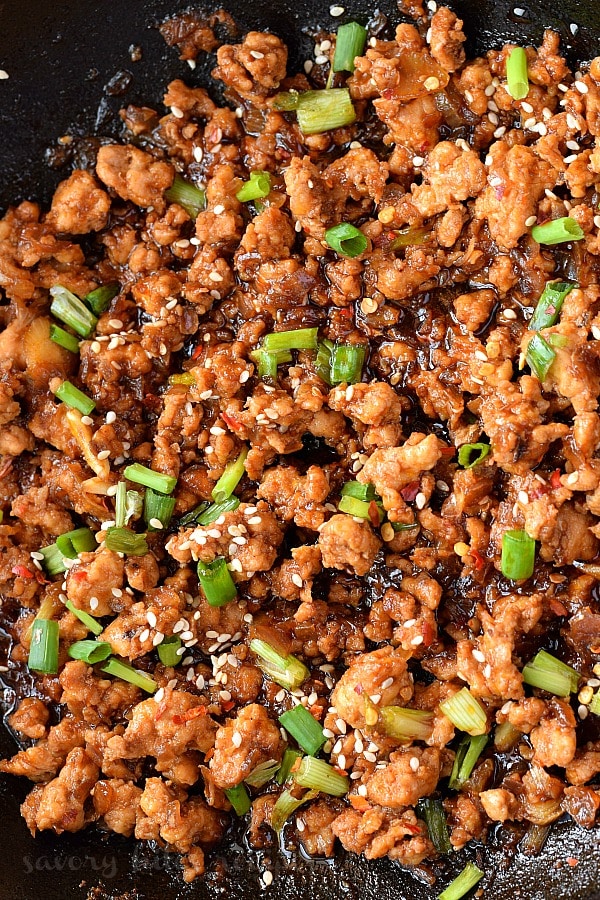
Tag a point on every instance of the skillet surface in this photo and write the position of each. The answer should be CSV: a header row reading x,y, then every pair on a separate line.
x,y
65,63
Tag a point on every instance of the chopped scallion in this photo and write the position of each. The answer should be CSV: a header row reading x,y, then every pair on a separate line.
x,y
558,231
406,724
347,362
127,673
468,878
361,509
206,512
90,652
320,776
263,773
470,455
319,111
550,674
63,338
239,798
323,360
257,188
230,478
298,339
518,555
216,582
120,504
409,237
466,712
287,671
157,507
122,540
539,356
43,647
267,362
304,728
594,706
346,240
350,43
53,560
289,758
90,622
468,752
516,74
550,304
432,812
286,805
75,398
73,543
164,484
99,299
359,491
72,311
187,195
167,651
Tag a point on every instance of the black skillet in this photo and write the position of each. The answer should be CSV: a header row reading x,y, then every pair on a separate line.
x,y
70,70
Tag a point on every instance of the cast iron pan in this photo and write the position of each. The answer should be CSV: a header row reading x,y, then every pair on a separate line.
x,y
70,70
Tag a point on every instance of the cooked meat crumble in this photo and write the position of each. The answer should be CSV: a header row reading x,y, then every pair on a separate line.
x,y
271,468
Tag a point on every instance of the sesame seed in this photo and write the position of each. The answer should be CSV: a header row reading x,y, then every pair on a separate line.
x,y
409,623
256,54
94,603
267,878
370,757
308,65
417,161
336,11
225,696
581,87
487,671
87,420
478,655
297,580
518,11
420,500
572,122
573,478
368,305
341,761
115,323
493,118
111,417
156,523
499,132
582,712
414,763
387,683
509,314
218,209
320,60
104,454
144,635
530,221
159,694
418,639
236,739
523,497
254,520
3,76
158,639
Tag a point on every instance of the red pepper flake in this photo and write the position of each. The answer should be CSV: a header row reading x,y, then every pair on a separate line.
x,y
22,572
40,578
411,490
359,689
361,804
478,559
538,491
374,514
193,713
79,575
228,705
428,633
231,422
412,829
555,480
198,351
572,861
448,451
558,608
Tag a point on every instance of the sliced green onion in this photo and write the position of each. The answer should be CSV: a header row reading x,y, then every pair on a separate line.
x,y
216,582
120,504
187,195
594,706
557,340
406,724
359,491
550,674
122,540
230,478
134,504
257,188
191,517
287,671
468,752
323,360
465,712
470,455
409,237
539,356
286,805
289,758
558,231
99,299
63,338
304,728
319,111
468,878
127,673
262,773
75,398
360,509
320,776
167,651
534,839
550,304
186,378
43,649
432,812
157,507
90,622
346,240
516,74
347,362
70,310
164,484
90,652
518,555
286,101
239,798
350,43
206,513
298,339
268,362
53,560
73,543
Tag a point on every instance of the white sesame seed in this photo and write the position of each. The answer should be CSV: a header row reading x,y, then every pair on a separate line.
x,y
35,554
320,60
499,132
582,712
115,323
158,639
341,761
572,122
518,11
308,65
267,878
336,11
236,739
257,54
530,221
254,520
156,523
218,209
573,478
526,107
144,635
87,420
178,113
111,417
478,655
104,454
370,757
3,76
418,639
420,500
297,580
94,603
414,763
417,161
581,87
387,683
159,694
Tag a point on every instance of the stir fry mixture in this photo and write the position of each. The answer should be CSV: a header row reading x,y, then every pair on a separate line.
x,y
299,453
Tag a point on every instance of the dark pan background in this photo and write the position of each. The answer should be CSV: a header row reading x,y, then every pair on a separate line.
x,y
61,56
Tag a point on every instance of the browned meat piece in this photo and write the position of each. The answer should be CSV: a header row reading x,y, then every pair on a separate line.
x,y
30,718
42,762
378,832
348,544
382,674
79,205
295,496
474,309
130,635
253,68
243,744
36,509
59,805
192,31
395,468
585,765
93,579
260,833
582,804
313,202
134,174
375,405
450,175
517,181
142,572
117,802
499,804
360,174
464,820
554,739
172,731
524,715
317,836
447,38
95,699
412,773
